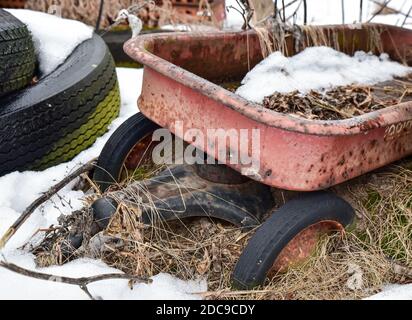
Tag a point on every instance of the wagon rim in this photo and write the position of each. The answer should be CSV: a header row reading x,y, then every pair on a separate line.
x,y
303,245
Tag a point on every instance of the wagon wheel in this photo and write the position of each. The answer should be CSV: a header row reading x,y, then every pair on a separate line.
x,y
290,236
128,153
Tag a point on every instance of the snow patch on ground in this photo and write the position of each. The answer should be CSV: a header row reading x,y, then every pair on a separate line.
x,y
54,38
316,68
394,292
22,288
19,189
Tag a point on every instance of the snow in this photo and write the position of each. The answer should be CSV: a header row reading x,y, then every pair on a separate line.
x,y
54,38
394,292
306,71
163,286
19,189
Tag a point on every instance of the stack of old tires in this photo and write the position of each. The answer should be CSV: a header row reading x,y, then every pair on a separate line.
x,y
48,120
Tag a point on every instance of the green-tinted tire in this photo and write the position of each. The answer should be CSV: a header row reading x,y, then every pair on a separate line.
x,y
17,56
63,114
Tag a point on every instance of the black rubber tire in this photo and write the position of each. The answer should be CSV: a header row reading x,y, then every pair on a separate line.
x,y
118,147
17,56
282,226
63,114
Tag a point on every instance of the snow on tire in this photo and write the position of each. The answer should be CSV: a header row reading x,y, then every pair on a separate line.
x,y
17,56
62,115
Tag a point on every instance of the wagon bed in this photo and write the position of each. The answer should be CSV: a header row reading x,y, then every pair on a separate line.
x,y
181,77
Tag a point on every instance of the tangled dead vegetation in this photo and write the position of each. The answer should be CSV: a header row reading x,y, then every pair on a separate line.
x,y
377,252
338,103
342,102
162,13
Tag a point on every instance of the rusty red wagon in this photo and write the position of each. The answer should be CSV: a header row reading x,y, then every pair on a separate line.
x,y
182,73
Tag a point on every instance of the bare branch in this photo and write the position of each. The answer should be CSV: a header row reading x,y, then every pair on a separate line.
x,y
383,7
360,11
407,16
81,282
391,9
39,201
305,12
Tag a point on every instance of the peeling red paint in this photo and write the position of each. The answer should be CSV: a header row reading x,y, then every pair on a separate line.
x,y
296,154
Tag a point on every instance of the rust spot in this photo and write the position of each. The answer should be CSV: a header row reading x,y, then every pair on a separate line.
x,y
302,246
342,161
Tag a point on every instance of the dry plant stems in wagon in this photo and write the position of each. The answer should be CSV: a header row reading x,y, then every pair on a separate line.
x,y
298,83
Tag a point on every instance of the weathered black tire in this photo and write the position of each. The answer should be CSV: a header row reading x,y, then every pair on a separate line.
x,y
17,56
117,148
282,226
63,114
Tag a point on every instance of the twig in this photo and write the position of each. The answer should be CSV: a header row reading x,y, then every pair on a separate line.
x,y
245,11
360,11
39,201
404,94
284,7
391,8
228,293
327,106
131,10
81,282
294,14
290,3
407,16
100,15
384,6
305,12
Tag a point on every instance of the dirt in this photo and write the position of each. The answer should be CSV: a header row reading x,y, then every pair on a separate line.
x,y
342,102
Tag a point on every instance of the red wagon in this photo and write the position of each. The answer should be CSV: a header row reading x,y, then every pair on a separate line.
x,y
181,83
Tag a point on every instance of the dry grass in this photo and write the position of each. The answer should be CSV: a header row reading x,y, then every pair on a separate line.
x,y
378,251
341,102
374,252
188,250
290,39
153,16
